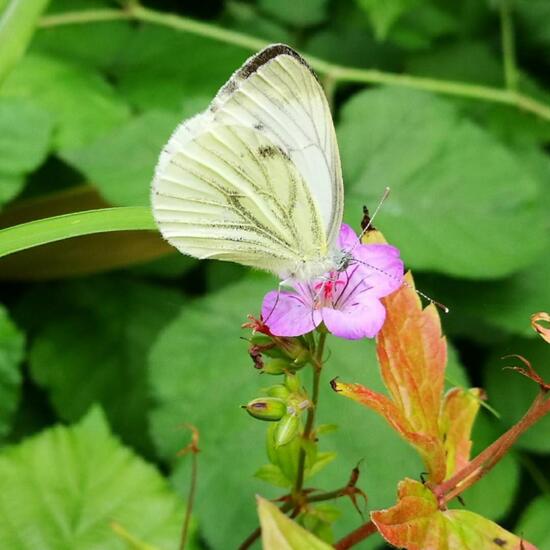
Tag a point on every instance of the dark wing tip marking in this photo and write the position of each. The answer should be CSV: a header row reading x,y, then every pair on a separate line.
x,y
266,55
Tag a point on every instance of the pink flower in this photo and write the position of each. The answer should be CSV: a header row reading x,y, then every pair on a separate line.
x,y
348,302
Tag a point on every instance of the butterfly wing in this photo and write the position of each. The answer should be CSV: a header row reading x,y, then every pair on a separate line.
x,y
256,178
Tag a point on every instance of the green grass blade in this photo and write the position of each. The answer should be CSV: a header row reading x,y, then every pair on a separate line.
x,y
27,235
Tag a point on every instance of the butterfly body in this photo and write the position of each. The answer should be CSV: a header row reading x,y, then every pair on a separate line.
x,y
256,178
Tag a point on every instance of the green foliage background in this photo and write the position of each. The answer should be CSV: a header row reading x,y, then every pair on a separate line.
x,y
125,340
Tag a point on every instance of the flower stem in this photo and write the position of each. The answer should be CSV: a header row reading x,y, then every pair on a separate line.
x,y
337,73
310,420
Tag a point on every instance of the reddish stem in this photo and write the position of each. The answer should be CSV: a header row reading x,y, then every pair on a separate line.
x,y
360,534
484,461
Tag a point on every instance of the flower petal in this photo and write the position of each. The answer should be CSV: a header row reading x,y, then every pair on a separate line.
x,y
287,314
347,239
382,269
362,319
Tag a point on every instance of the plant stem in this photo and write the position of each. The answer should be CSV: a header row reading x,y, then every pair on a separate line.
x,y
483,462
190,500
336,72
310,420
359,535
508,46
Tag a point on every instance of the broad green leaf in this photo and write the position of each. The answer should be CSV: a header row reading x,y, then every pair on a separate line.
x,y
24,136
479,309
384,14
122,162
454,62
83,104
160,69
65,487
533,523
281,533
534,15
12,344
201,373
72,42
416,523
25,132
91,344
454,187
296,14
512,393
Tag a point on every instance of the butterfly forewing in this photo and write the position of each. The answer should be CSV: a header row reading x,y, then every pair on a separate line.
x,y
255,179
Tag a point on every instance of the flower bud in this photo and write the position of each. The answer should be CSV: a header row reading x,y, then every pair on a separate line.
x,y
292,382
287,429
275,366
278,390
266,408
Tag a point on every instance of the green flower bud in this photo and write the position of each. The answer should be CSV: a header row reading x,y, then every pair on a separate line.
x,y
266,408
287,429
278,390
292,382
276,366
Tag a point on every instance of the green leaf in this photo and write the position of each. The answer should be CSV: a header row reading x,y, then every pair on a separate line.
x,y
72,42
25,132
64,487
511,393
281,533
296,14
160,69
507,304
122,162
120,319
12,343
83,104
272,474
384,14
454,187
201,373
533,523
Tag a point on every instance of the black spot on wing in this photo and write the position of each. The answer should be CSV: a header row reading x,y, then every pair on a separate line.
x,y
499,542
270,151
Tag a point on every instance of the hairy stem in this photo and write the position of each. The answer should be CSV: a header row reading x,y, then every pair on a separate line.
x,y
337,73
310,420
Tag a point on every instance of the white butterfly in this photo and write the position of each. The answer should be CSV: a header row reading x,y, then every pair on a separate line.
x,y
256,178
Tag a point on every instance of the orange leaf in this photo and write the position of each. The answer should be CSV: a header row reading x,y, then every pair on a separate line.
x,y
544,331
457,418
412,353
416,523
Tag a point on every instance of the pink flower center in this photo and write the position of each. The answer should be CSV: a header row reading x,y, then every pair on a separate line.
x,y
325,290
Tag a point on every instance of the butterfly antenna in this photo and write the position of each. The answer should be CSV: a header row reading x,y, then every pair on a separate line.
x,y
369,224
441,306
